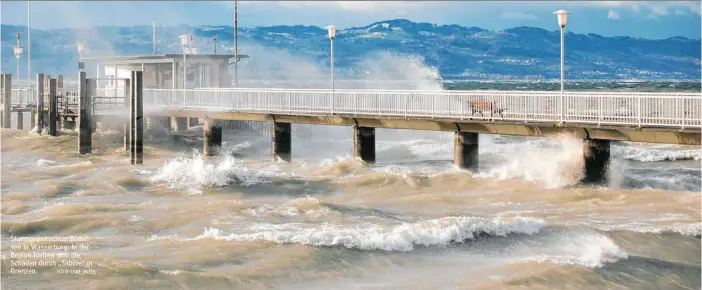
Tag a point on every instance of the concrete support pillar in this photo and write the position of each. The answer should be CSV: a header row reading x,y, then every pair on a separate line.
x,y
20,120
596,156
364,144
53,108
212,137
281,141
136,112
465,150
179,124
6,100
39,110
85,134
125,127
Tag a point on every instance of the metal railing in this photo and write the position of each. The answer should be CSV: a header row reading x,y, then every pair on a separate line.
x,y
23,97
678,110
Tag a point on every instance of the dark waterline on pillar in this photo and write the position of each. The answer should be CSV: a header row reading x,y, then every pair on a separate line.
x,y
465,150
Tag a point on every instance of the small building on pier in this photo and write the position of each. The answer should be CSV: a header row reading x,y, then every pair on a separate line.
x,y
165,71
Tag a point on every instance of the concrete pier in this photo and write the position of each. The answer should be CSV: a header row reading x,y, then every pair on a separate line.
x,y
136,112
281,146
179,124
53,108
85,134
596,157
39,109
7,100
20,120
465,150
364,144
212,137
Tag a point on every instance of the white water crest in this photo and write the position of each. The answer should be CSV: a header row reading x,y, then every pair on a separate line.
x,y
551,163
367,236
589,249
194,172
658,153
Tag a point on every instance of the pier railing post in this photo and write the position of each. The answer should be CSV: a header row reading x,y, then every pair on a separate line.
x,y
85,134
6,100
136,119
53,108
39,119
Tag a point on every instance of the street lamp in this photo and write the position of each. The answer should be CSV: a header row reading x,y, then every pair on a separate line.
x,y
18,54
562,20
80,47
332,33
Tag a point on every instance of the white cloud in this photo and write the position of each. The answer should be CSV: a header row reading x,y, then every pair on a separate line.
x,y
358,6
518,15
659,10
613,15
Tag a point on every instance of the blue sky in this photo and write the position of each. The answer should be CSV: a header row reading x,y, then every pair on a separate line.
x,y
647,19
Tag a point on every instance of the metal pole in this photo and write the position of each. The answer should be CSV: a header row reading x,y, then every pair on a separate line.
x,y
332,64
153,33
236,44
29,47
562,71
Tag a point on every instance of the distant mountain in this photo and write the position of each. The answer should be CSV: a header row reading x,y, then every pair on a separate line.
x,y
455,51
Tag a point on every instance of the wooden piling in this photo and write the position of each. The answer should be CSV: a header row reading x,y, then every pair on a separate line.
x,y
85,133
20,120
39,110
136,113
53,108
7,100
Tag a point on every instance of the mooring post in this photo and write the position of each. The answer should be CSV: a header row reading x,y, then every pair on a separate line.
x,y
465,150
137,119
281,141
53,108
85,134
6,100
212,137
596,156
127,106
364,144
40,103
20,120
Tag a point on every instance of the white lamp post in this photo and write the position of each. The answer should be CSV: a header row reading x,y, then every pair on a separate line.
x,y
562,20
185,43
80,47
18,54
332,33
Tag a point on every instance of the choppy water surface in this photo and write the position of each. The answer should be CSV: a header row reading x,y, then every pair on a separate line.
x,y
325,221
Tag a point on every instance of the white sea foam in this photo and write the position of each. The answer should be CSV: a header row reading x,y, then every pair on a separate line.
x,y
582,248
194,172
551,163
646,154
402,237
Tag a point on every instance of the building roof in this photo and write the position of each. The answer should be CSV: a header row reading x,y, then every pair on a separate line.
x,y
161,58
